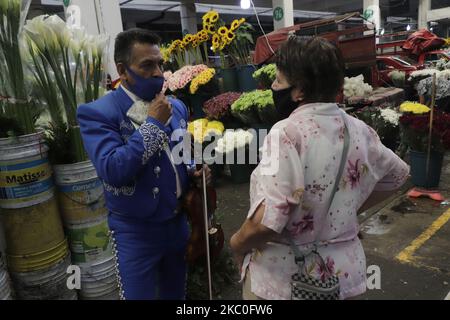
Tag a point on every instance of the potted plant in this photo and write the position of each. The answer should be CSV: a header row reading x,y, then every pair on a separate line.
x,y
415,128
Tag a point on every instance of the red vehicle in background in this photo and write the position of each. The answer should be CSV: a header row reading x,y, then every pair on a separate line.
x,y
387,64
422,47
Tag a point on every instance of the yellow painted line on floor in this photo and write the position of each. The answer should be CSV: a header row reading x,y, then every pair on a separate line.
x,y
407,254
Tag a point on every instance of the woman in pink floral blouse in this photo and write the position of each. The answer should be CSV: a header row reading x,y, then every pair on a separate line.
x,y
292,201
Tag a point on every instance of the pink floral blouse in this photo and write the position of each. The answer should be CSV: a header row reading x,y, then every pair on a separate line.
x,y
297,195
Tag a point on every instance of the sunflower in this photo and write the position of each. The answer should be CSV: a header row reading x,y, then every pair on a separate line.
x,y
223,31
188,38
230,36
203,35
236,24
211,29
216,39
214,16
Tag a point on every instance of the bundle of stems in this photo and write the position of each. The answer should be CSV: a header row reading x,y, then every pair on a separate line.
x,y
16,103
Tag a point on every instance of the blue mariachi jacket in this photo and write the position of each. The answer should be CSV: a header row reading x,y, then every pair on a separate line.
x,y
137,175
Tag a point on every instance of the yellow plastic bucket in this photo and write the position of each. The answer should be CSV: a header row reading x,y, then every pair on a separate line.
x,y
29,210
38,261
33,229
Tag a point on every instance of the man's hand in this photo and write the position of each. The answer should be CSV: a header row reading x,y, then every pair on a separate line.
x,y
160,108
198,176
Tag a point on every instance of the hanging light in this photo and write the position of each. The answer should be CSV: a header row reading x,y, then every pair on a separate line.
x,y
245,4
382,31
408,27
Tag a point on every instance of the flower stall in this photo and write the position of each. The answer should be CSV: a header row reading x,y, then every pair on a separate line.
x,y
415,136
192,84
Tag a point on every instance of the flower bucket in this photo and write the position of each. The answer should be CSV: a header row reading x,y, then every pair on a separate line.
x,y
268,115
228,80
82,206
249,117
30,216
245,78
418,162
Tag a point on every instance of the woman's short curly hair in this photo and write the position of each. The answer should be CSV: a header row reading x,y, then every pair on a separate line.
x,y
314,65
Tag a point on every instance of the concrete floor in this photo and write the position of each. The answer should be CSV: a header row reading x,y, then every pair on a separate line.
x,y
421,225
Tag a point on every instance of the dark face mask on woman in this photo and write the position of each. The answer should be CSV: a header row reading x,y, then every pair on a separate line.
x,y
284,103
145,88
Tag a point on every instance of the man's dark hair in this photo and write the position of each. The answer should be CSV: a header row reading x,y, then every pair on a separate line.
x,y
126,39
314,65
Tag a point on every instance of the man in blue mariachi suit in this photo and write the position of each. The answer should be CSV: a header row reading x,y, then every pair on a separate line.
x,y
126,134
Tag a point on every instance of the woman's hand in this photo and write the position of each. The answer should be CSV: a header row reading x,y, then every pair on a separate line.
x,y
238,254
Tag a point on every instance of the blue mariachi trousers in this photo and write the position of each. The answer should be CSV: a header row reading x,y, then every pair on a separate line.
x,y
151,258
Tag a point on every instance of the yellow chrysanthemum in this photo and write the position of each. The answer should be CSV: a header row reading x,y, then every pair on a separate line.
x,y
414,107
202,79
199,129
216,125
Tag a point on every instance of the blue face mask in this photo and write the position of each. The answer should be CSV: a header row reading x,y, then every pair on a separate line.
x,y
145,88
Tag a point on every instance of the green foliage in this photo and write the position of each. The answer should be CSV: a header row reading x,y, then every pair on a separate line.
x,y
266,75
258,99
242,44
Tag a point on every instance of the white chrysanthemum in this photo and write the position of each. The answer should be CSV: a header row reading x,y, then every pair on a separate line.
x,y
391,116
234,140
356,87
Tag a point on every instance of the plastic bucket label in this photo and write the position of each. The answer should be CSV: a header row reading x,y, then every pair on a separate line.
x,y
82,202
24,184
89,242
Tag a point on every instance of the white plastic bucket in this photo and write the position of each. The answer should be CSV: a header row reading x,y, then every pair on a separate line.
x,y
25,173
99,280
47,284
